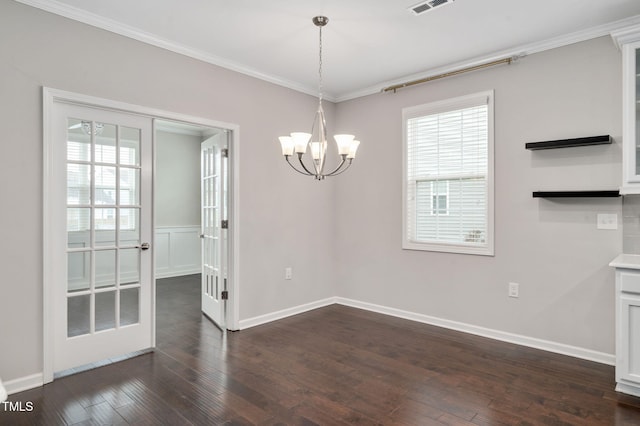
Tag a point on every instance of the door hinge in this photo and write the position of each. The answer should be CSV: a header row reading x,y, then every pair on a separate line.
x,y
224,295
225,152
224,224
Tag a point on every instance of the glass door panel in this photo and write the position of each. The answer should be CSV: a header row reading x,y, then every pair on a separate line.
x,y
78,315
78,141
129,306
105,226
130,146
105,311
79,271
103,237
105,185
105,143
78,227
129,226
78,184
129,186
129,266
105,268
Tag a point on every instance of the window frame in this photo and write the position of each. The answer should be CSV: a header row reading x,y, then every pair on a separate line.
x,y
486,249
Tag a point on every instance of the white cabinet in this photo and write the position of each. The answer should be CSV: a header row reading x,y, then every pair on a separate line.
x,y
628,333
629,42
627,323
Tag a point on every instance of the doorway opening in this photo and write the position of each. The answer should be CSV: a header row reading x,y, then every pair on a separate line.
x,y
192,209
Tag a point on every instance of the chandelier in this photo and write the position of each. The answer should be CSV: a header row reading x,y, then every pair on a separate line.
x,y
316,141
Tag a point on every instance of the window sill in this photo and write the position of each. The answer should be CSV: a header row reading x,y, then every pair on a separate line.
x,y
449,248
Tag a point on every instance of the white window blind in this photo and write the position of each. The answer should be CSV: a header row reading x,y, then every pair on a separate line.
x,y
448,175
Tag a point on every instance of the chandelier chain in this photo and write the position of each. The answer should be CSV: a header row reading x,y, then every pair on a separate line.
x,y
320,68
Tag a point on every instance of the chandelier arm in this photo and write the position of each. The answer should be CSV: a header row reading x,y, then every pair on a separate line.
x,y
341,168
344,169
286,157
305,167
344,158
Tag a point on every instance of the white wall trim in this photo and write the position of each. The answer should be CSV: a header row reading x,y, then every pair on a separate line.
x,y
630,390
51,96
24,383
110,25
94,20
171,251
516,51
531,342
273,316
546,345
48,266
36,380
626,34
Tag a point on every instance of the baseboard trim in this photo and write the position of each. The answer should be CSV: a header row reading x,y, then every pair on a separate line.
x,y
267,318
177,273
628,389
546,345
36,380
24,383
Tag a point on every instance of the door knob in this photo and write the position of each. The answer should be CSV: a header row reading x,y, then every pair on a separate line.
x,y
144,246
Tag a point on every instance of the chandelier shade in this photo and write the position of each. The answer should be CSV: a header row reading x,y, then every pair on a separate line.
x,y
299,143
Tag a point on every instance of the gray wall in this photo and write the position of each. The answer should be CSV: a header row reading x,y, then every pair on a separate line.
x,y
177,194
631,220
551,247
342,236
283,217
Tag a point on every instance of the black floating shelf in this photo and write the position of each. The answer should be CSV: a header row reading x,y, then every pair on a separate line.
x,y
576,194
568,143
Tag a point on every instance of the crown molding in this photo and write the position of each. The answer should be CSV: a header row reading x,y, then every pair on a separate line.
x,y
618,30
110,25
625,27
626,34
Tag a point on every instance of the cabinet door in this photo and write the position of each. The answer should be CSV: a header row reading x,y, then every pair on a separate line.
x,y
628,361
631,117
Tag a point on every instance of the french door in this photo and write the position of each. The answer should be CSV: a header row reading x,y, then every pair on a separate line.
x,y
214,196
101,166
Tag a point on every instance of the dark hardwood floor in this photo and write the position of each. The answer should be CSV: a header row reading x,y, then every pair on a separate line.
x,y
332,366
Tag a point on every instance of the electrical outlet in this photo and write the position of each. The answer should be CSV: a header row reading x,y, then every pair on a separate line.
x,y
514,290
288,273
607,221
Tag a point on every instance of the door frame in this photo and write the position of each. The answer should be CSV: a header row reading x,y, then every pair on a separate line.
x,y
50,97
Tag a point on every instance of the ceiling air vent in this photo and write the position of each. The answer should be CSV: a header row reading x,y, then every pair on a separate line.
x,y
426,6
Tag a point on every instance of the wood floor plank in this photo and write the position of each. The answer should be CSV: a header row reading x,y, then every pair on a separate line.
x,y
330,366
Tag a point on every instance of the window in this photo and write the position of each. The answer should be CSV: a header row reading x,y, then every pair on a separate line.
x,y
448,175
439,197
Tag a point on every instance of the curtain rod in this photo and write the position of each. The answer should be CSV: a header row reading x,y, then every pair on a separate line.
x,y
507,61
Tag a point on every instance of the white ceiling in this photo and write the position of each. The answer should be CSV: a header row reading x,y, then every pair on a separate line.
x,y
368,44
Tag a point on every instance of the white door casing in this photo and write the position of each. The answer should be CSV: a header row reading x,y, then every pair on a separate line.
x,y
213,186
102,210
53,268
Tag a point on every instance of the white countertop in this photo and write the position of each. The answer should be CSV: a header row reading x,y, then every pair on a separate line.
x,y
628,261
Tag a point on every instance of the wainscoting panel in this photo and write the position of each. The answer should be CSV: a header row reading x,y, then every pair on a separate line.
x,y
177,251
